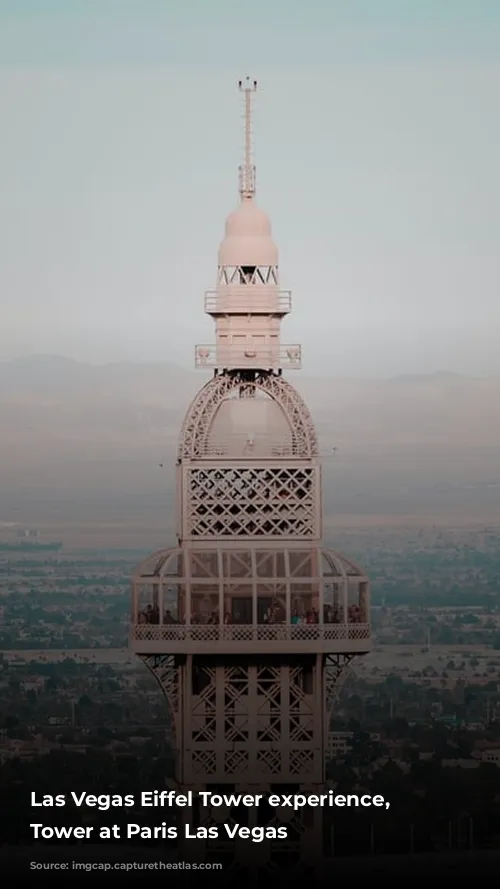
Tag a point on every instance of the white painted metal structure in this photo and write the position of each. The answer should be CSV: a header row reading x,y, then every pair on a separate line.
x,y
249,621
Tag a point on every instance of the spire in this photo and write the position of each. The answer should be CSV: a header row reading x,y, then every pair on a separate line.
x,y
247,170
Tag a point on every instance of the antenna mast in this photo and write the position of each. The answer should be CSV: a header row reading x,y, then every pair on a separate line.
x,y
247,170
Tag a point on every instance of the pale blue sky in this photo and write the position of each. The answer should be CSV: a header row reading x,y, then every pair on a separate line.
x,y
377,142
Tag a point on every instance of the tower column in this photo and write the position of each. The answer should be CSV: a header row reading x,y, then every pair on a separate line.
x,y
250,684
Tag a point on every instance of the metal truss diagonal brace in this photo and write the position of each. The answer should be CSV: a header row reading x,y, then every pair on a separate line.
x,y
201,413
166,673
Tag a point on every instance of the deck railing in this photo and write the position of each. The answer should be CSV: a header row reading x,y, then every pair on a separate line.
x,y
233,299
249,633
286,356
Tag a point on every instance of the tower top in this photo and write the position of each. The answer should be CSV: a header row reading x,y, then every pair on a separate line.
x,y
248,239
247,169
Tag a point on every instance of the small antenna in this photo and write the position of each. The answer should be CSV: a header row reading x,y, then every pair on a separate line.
x,y
247,170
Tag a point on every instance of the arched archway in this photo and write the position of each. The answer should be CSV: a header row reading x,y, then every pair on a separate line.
x,y
203,408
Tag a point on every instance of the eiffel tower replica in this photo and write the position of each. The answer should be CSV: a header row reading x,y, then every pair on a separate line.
x,y
248,622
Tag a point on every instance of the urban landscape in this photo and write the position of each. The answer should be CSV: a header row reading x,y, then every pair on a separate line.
x,y
418,719
272,609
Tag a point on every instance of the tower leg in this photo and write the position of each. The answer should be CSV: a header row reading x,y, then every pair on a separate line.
x,y
246,725
336,670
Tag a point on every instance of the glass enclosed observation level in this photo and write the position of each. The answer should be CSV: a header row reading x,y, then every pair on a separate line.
x,y
264,600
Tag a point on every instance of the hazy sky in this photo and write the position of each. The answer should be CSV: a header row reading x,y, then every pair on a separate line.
x,y
377,145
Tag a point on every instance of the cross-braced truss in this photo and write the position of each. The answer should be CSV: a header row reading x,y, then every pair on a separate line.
x,y
249,723
244,723
201,413
243,501
168,676
336,668
269,728
248,275
249,601
271,856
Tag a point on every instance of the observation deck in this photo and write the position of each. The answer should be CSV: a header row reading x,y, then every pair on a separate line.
x,y
249,356
249,602
245,300
250,638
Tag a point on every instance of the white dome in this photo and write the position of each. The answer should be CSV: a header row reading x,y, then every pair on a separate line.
x,y
248,239
256,426
248,221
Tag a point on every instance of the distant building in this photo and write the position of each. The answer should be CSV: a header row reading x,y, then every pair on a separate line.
x,y
339,745
492,756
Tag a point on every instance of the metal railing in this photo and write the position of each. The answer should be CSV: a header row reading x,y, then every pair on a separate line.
x,y
250,633
248,299
239,446
249,356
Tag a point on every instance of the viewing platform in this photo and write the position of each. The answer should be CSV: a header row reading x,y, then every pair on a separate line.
x,y
241,299
264,638
249,356
258,601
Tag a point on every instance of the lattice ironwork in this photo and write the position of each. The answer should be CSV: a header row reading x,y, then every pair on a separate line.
x,y
336,670
269,727
247,633
167,674
271,562
245,275
296,855
201,413
250,702
226,860
251,501
203,764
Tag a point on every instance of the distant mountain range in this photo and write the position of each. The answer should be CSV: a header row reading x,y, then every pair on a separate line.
x,y
52,376
67,426
53,395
